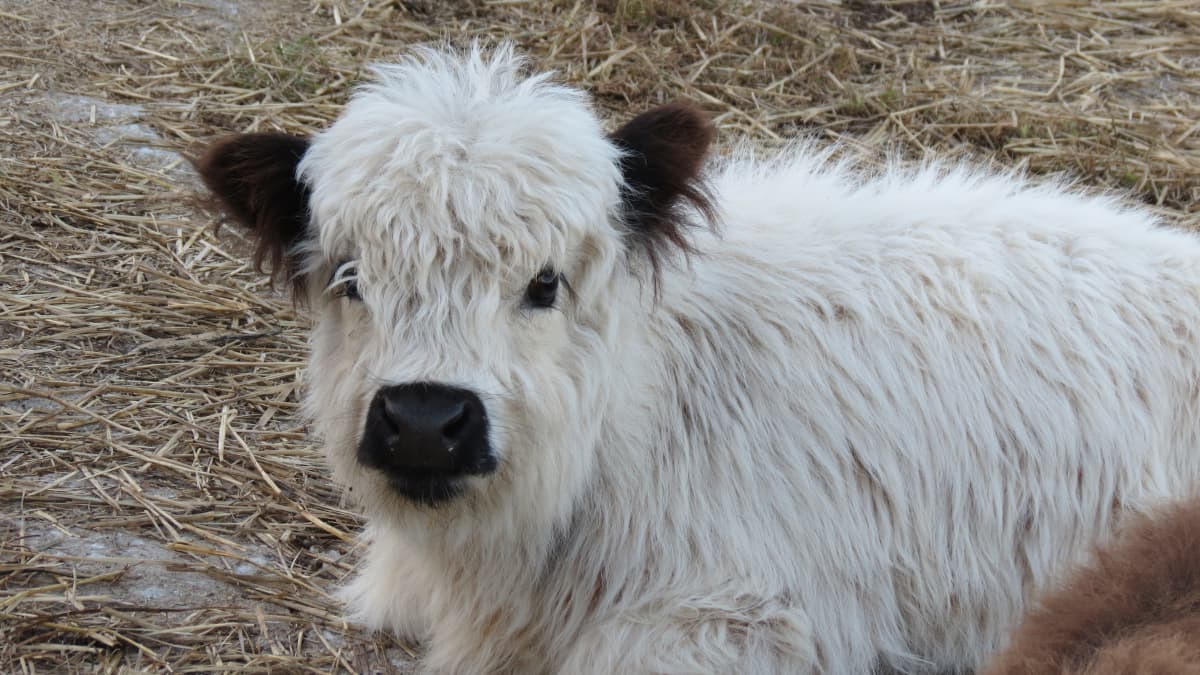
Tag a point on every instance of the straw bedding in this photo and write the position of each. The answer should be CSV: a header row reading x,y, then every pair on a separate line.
x,y
160,506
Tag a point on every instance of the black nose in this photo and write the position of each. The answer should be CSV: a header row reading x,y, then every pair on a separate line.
x,y
425,435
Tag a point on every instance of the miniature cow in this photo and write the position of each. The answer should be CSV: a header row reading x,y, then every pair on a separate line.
x,y
1135,609
612,406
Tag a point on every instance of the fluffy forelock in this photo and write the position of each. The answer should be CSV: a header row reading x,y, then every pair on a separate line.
x,y
451,164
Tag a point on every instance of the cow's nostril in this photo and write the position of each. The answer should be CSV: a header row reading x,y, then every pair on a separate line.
x,y
392,416
454,429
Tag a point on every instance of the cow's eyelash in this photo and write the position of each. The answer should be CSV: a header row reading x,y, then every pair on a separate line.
x,y
343,282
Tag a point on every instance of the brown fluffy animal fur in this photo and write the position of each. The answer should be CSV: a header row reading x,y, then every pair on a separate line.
x,y
1135,610
253,177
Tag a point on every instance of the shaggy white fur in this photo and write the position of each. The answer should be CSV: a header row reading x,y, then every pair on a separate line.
x,y
855,430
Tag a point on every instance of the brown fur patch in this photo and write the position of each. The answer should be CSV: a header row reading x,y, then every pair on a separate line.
x,y
1136,609
253,178
665,151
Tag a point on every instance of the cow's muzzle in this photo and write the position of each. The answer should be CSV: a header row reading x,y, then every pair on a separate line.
x,y
427,438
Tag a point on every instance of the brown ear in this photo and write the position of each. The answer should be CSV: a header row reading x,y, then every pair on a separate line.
x,y
253,177
665,150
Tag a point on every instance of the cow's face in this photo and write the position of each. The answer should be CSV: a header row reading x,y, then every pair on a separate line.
x,y
463,238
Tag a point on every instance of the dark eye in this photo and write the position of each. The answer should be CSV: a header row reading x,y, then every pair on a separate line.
x,y
344,281
543,289
349,289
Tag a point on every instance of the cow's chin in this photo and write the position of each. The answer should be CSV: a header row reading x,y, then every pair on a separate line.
x,y
430,490
412,501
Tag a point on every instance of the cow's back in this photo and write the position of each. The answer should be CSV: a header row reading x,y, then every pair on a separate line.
x,y
911,403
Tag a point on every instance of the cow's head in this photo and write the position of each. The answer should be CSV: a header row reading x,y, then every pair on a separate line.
x,y
468,240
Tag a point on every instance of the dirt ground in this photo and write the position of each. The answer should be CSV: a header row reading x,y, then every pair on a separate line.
x,y
161,506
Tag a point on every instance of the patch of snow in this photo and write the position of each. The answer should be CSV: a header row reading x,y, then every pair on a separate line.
x,y
223,7
75,108
153,575
115,125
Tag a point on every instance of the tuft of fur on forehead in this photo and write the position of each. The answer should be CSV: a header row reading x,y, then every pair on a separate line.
x,y
467,158
461,158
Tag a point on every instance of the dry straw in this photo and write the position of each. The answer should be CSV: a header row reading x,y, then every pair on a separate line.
x,y
160,505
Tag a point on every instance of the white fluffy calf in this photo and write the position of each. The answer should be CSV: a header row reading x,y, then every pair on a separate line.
x,y
853,427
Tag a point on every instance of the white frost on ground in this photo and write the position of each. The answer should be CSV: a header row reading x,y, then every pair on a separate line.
x,y
153,575
115,125
148,578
